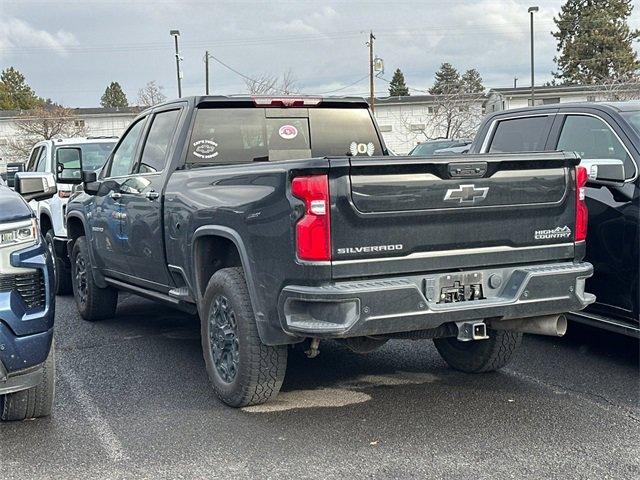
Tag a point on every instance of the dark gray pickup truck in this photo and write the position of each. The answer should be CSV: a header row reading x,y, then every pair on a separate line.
x,y
282,220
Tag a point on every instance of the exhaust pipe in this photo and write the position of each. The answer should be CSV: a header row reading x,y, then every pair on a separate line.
x,y
553,325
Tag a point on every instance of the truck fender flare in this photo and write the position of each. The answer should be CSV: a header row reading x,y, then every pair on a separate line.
x,y
97,275
234,236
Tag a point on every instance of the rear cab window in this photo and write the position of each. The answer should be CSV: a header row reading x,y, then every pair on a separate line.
x,y
240,135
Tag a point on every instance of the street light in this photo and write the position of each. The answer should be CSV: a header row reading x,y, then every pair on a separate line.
x,y
531,11
175,34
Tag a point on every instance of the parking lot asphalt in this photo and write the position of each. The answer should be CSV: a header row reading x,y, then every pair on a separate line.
x,y
133,401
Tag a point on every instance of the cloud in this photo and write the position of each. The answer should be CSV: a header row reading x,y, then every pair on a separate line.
x,y
17,35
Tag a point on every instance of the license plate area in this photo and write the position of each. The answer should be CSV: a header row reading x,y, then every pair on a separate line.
x,y
460,287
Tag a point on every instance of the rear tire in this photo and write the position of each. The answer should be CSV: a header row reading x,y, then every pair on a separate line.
x,y
62,274
36,401
241,368
94,303
478,356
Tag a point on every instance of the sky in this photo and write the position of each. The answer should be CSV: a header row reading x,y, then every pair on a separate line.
x,y
70,50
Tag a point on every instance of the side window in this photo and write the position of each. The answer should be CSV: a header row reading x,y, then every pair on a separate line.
x,y
41,165
124,156
527,134
592,138
33,159
156,148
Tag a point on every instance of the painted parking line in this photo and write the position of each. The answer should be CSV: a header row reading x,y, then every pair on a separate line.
x,y
106,436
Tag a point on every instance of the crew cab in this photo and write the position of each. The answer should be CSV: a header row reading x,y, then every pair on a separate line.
x,y
284,220
50,212
26,305
599,132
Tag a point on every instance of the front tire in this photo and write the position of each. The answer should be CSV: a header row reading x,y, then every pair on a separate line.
x,y
36,401
94,303
61,273
478,356
242,369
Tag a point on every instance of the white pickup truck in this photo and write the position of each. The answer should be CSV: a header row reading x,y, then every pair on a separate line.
x,y
50,213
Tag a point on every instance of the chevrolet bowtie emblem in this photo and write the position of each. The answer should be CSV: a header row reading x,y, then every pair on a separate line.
x,y
466,194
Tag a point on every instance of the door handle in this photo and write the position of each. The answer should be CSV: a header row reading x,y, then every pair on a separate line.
x,y
152,195
115,195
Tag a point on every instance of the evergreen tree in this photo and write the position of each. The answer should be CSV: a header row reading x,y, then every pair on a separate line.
x,y
447,80
15,93
472,82
397,87
595,43
114,97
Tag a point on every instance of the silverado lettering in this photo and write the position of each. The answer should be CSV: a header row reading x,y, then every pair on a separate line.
x,y
371,249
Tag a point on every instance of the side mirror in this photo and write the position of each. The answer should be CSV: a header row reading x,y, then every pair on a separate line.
x,y
12,169
35,185
69,164
604,171
90,183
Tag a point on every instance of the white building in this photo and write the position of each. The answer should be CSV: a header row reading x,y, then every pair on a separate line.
x,y
407,121
98,122
509,98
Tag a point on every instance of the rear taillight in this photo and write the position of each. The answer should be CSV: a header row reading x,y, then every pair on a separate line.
x,y
582,214
313,230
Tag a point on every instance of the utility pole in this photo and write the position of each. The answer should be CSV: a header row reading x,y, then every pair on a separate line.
x,y
531,11
371,87
515,82
206,72
175,34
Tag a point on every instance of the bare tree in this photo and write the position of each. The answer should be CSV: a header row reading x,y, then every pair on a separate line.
x,y
43,123
449,115
151,94
456,115
621,89
268,84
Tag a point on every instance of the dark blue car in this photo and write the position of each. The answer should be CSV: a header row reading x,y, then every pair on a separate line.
x,y
26,305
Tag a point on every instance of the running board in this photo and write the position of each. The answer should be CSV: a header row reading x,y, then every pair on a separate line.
x,y
600,321
178,303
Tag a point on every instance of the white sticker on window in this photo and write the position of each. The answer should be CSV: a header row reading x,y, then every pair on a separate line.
x,y
205,149
288,132
362,148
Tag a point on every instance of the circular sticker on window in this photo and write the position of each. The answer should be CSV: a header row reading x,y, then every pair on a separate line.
x,y
288,132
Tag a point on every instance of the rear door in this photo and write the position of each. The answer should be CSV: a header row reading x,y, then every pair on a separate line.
x,y
417,214
141,204
613,219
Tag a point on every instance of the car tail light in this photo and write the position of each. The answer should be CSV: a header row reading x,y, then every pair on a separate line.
x,y
313,230
582,214
286,101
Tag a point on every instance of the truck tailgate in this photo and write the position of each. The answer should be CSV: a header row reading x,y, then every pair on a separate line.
x,y
410,214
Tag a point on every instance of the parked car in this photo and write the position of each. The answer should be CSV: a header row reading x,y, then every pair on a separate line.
x,y
50,212
603,131
283,220
26,305
429,147
454,150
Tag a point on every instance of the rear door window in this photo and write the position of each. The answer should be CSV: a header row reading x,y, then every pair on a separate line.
x,y
527,134
154,154
592,138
